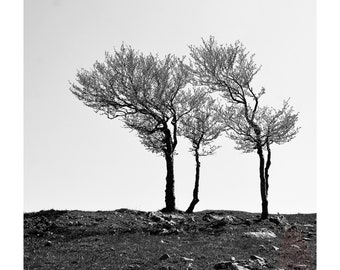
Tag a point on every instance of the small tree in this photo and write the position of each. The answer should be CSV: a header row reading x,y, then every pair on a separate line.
x,y
202,126
147,93
277,126
230,70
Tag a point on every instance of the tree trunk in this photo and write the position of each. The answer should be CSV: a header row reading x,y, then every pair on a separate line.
x,y
195,199
263,184
170,179
170,184
268,163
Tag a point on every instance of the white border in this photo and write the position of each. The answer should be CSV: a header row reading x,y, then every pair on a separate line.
x,y
11,134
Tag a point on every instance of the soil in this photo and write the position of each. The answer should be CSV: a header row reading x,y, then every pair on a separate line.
x,y
129,239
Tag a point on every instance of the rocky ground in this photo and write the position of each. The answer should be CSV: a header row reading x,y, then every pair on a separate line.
x,y
128,239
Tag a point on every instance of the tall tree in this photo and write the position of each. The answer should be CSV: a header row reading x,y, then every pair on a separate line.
x,y
202,126
147,93
230,69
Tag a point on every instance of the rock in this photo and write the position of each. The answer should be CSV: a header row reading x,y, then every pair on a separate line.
x,y
168,224
263,234
311,234
219,220
187,259
229,266
295,246
174,216
231,219
134,266
275,248
259,260
232,259
155,216
279,220
165,256
48,243
191,219
300,267
309,225
307,239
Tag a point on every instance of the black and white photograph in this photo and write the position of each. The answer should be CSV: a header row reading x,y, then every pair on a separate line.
x,y
170,134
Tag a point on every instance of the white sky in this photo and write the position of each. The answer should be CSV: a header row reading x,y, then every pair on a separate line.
x,y
76,159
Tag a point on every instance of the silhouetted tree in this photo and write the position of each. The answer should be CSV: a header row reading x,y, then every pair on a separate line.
x,y
230,69
277,126
202,126
147,93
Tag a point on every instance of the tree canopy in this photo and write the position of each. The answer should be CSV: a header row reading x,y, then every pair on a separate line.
x,y
145,92
202,126
276,125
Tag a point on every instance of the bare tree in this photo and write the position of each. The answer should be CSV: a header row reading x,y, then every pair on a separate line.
x,y
230,69
202,126
147,93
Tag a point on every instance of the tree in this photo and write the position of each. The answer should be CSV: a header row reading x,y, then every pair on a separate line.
x,y
202,126
230,69
277,126
147,93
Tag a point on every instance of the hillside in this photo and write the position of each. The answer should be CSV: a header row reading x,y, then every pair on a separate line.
x,y
129,239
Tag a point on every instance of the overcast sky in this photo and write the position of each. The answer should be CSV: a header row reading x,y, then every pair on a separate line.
x,y
77,159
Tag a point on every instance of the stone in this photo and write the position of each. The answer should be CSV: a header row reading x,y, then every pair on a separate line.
x,y
231,218
263,234
275,248
309,225
261,261
156,218
300,266
187,259
134,266
165,256
168,224
229,266
279,220
295,246
192,219
48,243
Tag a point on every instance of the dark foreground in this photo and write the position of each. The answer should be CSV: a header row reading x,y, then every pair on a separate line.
x,y
128,239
